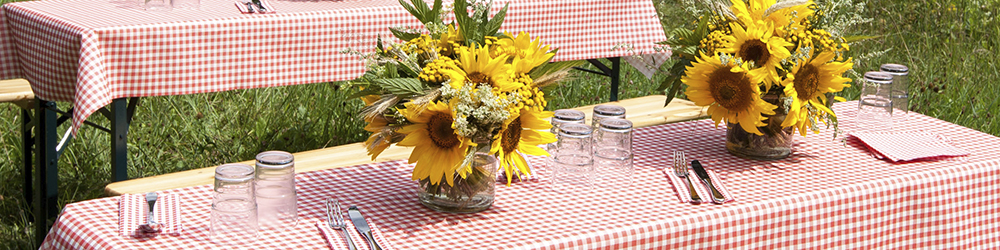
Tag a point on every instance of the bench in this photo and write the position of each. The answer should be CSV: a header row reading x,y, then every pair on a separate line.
x,y
643,112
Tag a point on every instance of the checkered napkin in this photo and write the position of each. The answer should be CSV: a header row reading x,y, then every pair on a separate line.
x,y
699,187
132,211
908,146
336,240
242,5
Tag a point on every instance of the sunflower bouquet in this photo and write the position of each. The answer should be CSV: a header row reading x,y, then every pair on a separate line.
x,y
768,67
450,90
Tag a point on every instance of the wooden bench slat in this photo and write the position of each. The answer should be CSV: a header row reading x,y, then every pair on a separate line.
x,y
17,91
643,112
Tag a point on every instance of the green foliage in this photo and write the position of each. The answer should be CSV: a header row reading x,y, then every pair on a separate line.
x,y
402,87
474,28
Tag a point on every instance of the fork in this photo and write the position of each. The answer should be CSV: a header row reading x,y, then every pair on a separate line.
x,y
681,170
336,220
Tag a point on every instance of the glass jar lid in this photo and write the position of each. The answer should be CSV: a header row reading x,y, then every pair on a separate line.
x,y
878,77
609,110
275,158
616,124
575,129
569,115
895,69
234,172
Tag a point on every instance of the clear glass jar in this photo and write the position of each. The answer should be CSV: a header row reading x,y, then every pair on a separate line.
x,y
277,204
899,92
573,164
875,103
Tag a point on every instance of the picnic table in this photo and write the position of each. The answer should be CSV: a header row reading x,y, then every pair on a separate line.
x,y
827,194
103,55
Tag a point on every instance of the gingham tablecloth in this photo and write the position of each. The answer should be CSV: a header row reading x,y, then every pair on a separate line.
x,y
90,52
827,194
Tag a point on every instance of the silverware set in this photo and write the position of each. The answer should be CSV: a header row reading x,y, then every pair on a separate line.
x,y
251,5
335,219
151,225
681,170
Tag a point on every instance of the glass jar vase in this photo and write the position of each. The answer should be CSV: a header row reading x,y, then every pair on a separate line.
x,y
775,141
473,193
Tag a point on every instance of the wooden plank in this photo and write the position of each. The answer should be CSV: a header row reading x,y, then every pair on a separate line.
x,y
643,111
17,91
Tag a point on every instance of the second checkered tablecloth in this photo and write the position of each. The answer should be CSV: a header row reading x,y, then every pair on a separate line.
x,y
827,194
74,53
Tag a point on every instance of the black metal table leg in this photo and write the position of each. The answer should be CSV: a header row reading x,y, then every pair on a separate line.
x,y
613,72
120,117
46,172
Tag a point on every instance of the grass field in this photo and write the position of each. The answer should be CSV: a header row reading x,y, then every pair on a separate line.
x,y
949,46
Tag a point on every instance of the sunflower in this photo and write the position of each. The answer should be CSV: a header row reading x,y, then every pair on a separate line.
x,y
807,86
757,44
449,41
522,134
438,150
730,91
786,16
478,67
526,54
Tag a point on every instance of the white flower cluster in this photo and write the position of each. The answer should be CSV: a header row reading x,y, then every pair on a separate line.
x,y
478,110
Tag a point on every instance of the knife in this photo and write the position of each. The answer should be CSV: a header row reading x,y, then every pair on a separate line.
x,y
717,196
362,226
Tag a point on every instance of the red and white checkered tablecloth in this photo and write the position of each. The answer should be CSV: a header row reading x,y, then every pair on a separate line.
x,y
90,52
827,194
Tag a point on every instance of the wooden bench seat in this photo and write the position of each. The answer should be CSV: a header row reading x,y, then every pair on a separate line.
x,y
642,111
17,91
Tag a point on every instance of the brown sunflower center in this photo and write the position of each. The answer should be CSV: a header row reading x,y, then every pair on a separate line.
x,y
511,136
756,51
440,131
480,78
806,82
731,90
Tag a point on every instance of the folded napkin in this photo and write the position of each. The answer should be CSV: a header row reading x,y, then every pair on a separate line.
x,y
132,211
699,187
242,6
337,242
908,146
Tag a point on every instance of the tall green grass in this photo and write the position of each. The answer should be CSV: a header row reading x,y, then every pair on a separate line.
x,y
949,46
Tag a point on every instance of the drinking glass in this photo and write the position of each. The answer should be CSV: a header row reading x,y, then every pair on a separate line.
x,y
900,93
875,103
613,153
564,116
605,111
573,162
277,205
234,210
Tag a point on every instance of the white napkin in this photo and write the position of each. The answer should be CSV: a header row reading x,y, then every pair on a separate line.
x,y
699,187
908,146
133,209
649,63
337,242
242,5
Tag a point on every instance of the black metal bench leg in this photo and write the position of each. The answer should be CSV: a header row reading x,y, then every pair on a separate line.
x,y
47,159
27,153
